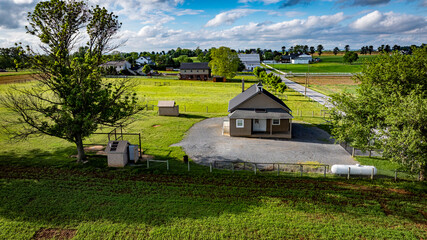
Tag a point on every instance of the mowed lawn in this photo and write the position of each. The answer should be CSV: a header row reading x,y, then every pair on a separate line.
x,y
329,64
45,195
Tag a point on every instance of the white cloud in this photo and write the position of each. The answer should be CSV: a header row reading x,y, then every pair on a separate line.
x,y
229,17
147,10
264,1
390,22
292,14
23,1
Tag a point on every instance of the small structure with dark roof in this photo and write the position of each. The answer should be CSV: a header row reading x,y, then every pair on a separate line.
x,y
194,71
258,113
168,108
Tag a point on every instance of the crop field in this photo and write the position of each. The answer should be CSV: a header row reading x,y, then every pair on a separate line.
x,y
329,64
46,195
329,85
7,78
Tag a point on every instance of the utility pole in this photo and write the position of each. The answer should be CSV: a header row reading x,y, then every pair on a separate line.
x,y
307,79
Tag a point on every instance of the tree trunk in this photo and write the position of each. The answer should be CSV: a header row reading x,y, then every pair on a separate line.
x,y
422,173
80,150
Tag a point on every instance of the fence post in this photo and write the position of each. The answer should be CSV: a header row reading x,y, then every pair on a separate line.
x,y
210,166
167,165
188,164
278,169
300,169
148,163
372,174
140,147
348,175
324,172
395,175
353,152
255,169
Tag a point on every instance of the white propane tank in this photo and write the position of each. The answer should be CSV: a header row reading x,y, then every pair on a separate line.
x,y
354,169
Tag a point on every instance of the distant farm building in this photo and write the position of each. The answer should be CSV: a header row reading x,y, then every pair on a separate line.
x,y
168,108
117,65
250,61
194,71
296,59
258,113
144,60
302,59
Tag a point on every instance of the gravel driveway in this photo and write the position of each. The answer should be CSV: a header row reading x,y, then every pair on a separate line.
x,y
205,143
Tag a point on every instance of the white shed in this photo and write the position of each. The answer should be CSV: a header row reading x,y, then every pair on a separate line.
x,y
168,108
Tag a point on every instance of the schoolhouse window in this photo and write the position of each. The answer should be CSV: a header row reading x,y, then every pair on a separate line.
x,y
276,121
240,123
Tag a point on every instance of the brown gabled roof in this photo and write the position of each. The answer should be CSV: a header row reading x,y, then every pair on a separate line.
x,y
196,66
250,93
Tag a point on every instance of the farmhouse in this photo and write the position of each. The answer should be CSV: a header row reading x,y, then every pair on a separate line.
x,y
258,113
288,58
144,60
117,65
194,71
250,61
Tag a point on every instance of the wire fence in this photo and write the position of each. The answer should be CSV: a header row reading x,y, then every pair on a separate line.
x,y
288,169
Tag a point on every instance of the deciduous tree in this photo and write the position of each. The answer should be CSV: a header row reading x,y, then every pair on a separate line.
x,y
390,106
350,57
319,49
71,100
224,62
336,51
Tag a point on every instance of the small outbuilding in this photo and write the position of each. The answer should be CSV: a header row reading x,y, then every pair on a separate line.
x,y
168,108
258,113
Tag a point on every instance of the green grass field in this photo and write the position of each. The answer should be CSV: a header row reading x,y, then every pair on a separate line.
x,y
329,64
45,194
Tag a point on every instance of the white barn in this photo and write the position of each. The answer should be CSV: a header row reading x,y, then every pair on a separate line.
x,y
250,61
302,59
118,65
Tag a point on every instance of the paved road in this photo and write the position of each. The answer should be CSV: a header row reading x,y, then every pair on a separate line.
x,y
204,143
316,96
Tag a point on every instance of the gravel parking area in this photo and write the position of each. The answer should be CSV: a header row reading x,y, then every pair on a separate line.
x,y
205,143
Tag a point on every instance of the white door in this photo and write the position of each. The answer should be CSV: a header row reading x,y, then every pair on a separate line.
x,y
260,125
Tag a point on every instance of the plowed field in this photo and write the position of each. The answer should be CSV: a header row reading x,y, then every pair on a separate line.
x,y
16,78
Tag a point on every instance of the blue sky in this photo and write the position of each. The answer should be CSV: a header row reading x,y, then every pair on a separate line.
x,y
155,25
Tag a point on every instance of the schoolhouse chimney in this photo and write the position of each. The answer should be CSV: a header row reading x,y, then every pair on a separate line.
x,y
243,84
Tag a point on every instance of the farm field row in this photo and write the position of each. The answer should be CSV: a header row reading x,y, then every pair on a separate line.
x,y
329,85
329,64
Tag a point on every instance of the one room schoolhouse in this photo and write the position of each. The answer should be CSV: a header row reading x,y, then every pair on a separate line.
x,y
258,113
